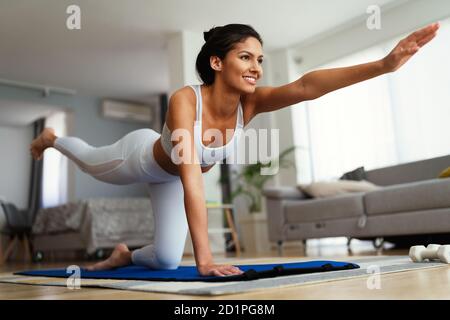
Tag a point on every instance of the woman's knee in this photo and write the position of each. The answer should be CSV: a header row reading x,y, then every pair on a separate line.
x,y
150,257
168,260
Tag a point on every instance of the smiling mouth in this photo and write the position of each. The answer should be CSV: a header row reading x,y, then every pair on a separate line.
x,y
250,80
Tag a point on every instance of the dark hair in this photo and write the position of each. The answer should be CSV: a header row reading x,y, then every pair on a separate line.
x,y
220,40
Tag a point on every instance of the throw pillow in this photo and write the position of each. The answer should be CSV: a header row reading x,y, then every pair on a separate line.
x,y
358,174
445,173
326,189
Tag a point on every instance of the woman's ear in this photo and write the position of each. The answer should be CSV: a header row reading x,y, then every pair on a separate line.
x,y
215,63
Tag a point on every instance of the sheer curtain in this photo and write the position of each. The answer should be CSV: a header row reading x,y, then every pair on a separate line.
x,y
350,127
395,118
54,184
421,101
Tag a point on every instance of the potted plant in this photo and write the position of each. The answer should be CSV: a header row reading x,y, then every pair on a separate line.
x,y
250,184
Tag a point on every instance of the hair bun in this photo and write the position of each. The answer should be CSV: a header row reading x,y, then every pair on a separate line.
x,y
206,35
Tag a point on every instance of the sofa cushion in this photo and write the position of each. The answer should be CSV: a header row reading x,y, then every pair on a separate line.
x,y
422,195
325,189
284,193
323,209
408,172
357,175
445,173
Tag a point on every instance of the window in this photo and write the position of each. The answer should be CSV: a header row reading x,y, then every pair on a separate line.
x,y
55,167
395,118
421,101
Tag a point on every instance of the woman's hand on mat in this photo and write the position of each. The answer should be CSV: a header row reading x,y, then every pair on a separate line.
x,y
218,270
408,46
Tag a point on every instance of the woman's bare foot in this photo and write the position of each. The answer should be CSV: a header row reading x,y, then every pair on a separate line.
x,y
120,257
45,140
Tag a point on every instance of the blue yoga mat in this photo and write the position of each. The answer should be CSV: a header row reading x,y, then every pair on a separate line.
x,y
190,273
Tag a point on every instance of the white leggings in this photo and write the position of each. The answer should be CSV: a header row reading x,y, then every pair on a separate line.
x,y
131,160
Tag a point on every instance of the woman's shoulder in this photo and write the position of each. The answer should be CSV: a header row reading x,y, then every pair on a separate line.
x,y
184,94
182,103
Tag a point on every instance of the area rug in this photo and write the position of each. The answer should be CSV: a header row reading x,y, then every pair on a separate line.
x,y
368,265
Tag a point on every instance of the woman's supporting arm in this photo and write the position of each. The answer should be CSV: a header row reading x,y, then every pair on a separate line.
x,y
197,217
182,119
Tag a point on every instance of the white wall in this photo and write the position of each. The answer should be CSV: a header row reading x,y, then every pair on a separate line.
x,y
15,164
282,71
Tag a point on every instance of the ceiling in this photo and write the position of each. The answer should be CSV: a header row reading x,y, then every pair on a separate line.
x,y
120,50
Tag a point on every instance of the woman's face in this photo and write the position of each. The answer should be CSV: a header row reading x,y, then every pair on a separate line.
x,y
242,66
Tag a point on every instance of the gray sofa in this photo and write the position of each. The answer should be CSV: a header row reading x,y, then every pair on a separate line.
x,y
412,201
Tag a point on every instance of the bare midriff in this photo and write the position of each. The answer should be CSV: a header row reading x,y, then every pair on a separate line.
x,y
166,163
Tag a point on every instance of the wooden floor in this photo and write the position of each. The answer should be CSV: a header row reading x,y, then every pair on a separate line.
x,y
421,284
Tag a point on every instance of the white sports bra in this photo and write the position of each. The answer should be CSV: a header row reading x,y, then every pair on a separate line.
x,y
207,155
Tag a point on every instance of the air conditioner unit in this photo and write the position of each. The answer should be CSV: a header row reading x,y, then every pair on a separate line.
x,y
127,111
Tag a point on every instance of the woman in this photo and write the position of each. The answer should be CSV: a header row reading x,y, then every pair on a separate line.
x,y
229,64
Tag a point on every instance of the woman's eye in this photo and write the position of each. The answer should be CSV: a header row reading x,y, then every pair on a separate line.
x,y
260,61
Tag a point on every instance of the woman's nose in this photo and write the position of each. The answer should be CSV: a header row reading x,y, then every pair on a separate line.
x,y
256,67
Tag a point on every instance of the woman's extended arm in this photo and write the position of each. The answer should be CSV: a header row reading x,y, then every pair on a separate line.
x,y
320,82
317,83
182,119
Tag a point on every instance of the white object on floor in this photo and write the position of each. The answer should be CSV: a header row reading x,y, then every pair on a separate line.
x,y
431,252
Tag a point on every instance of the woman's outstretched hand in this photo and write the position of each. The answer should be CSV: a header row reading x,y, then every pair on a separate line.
x,y
407,47
218,270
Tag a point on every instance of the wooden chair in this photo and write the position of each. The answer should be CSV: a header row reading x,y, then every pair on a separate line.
x,y
18,228
227,207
